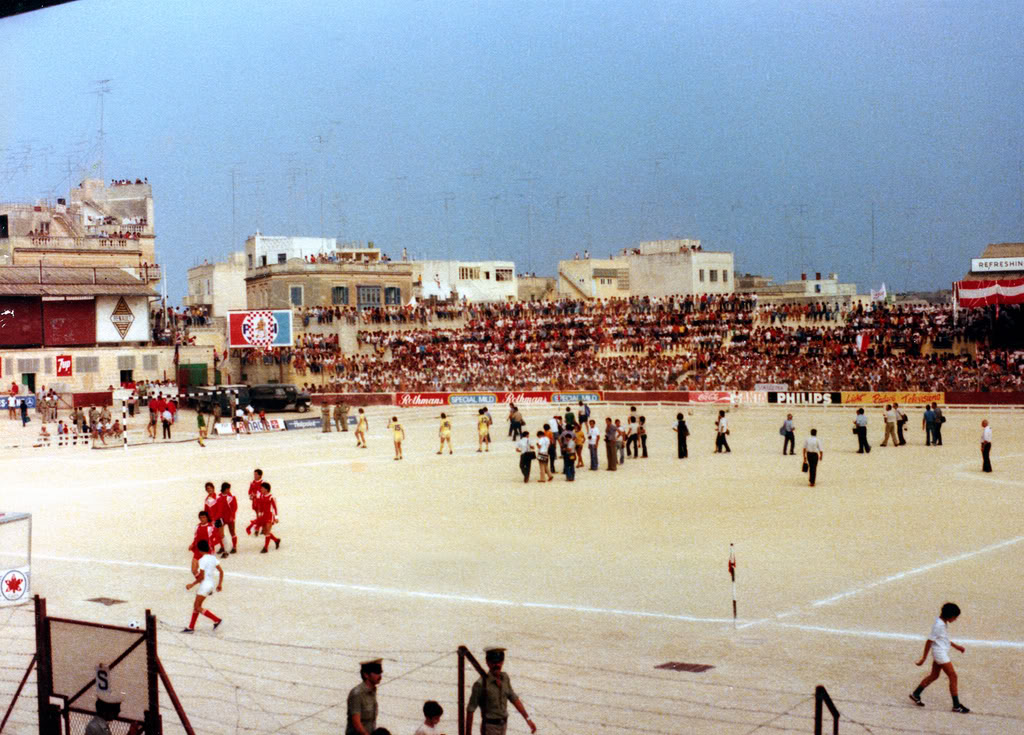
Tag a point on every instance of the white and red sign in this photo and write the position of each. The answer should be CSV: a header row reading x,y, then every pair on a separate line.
x,y
63,366
262,328
709,396
520,398
968,294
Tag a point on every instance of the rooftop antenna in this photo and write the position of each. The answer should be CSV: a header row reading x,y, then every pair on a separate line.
x,y
448,197
101,88
321,142
872,282
529,179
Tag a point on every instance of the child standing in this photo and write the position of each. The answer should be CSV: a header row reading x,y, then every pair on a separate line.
x,y
939,644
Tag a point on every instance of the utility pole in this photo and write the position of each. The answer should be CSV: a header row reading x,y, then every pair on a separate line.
x,y
448,197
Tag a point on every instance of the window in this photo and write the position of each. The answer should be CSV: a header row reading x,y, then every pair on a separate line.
x,y
86,364
393,296
149,362
263,260
701,275
339,295
367,297
209,287
714,275
503,274
281,257
725,276
126,362
295,295
250,260
469,274
30,365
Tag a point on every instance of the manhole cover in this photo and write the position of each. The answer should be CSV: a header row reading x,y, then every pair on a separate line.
x,y
677,666
108,601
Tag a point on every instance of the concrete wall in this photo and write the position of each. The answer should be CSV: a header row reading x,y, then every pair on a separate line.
x,y
221,286
108,371
586,279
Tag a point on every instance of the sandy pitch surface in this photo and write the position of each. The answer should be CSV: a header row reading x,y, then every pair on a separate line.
x,y
590,585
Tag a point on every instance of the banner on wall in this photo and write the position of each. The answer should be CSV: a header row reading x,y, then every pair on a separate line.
x,y
520,398
29,401
260,328
122,319
64,366
912,398
750,396
709,396
808,398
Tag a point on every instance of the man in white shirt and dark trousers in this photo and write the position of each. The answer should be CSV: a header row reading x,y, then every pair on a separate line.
x,y
813,453
986,446
722,427
939,644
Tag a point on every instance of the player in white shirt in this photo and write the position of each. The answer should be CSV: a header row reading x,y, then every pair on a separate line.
x,y
524,447
208,564
722,429
939,644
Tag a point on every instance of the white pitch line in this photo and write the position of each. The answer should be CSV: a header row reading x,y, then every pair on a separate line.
x,y
561,607
886,580
919,570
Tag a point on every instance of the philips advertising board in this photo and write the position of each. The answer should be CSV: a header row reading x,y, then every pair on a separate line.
x,y
806,398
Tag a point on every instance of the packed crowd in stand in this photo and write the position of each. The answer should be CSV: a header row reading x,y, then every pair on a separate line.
x,y
686,343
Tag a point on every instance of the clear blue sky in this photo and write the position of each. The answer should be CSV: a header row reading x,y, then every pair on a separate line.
x,y
767,129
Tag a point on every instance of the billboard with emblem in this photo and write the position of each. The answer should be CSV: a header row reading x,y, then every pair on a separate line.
x,y
260,328
121,319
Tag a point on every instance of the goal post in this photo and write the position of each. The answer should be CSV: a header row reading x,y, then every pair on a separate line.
x,y
15,558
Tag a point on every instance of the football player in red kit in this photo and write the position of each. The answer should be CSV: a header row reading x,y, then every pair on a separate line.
x,y
213,510
267,518
205,531
255,492
228,504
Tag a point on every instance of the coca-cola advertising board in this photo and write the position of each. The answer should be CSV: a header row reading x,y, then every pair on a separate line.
x,y
520,398
709,396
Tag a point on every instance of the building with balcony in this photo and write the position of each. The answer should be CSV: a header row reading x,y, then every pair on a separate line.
x,y
294,272
99,225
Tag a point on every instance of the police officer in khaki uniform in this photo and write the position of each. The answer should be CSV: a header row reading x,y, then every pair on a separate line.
x,y
492,693
325,418
344,408
362,700
337,417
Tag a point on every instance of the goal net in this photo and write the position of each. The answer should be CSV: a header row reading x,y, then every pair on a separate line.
x,y
15,558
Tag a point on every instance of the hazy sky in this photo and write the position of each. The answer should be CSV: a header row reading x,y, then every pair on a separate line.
x,y
766,129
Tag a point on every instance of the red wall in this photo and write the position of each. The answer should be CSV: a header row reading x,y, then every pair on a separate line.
x,y
354,399
69,323
25,325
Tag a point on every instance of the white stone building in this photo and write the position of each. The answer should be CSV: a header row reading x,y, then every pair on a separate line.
x,y
218,286
474,281
659,268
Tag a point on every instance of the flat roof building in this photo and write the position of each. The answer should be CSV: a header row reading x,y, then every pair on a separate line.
x,y
656,268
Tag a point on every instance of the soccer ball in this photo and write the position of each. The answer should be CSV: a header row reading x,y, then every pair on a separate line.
x,y
135,624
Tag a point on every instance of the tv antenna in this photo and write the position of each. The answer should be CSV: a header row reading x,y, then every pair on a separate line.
x,y
101,88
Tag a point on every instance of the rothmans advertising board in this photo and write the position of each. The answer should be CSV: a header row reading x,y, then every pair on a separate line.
x,y
122,319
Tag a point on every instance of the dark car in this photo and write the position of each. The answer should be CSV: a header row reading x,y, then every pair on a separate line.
x,y
269,397
278,397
